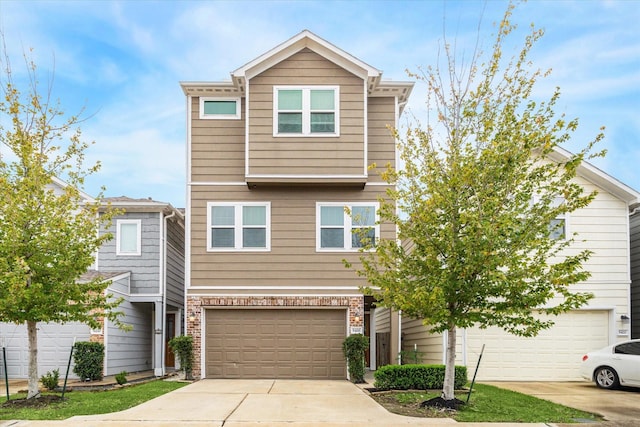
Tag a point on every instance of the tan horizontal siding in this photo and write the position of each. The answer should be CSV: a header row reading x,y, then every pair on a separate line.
x,y
306,155
293,260
217,147
381,149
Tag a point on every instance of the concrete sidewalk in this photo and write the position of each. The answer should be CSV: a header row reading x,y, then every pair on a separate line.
x,y
258,403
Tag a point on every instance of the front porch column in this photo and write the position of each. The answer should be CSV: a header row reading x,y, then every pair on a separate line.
x,y
158,339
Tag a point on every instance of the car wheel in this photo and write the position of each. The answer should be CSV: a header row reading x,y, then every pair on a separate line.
x,y
607,378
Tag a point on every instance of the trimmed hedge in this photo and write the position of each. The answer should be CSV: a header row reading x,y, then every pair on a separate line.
x,y
353,348
89,360
416,377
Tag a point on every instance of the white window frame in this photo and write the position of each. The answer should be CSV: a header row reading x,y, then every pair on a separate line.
x,y
563,217
204,116
119,223
238,227
348,224
306,112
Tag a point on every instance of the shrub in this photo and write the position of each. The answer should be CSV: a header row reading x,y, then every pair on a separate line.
x,y
121,378
416,377
50,379
353,348
182,346
88,359
411,357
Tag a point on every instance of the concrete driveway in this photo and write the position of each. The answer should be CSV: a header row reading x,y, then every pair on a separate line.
x,y
256,403
620,407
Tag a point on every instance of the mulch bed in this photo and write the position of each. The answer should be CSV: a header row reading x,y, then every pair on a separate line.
x,y
421,409
41,401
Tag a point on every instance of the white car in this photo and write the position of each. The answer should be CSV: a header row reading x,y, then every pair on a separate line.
x,y
613,366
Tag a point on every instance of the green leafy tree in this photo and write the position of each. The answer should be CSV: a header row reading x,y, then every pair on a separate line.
x,y
477,201
48,230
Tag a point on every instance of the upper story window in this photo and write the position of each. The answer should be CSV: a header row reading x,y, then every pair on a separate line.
x,y
238,226
346,226
128,237
219,108
306,111
558,225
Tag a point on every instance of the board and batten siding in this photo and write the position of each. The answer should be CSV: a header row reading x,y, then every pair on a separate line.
x,y
217,147
341,155
129,351
634,222
292,260
144,268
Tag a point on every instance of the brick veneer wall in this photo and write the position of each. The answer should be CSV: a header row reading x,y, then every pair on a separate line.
x,y
196,304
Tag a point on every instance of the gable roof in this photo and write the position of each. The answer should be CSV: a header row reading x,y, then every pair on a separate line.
x,y
305,39
142,205
600,178
59,183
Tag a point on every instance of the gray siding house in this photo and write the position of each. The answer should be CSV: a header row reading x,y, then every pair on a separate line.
x,y
144,263
148,246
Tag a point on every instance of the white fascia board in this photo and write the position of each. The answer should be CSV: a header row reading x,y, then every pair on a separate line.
x,y
600,178
62,184
298,42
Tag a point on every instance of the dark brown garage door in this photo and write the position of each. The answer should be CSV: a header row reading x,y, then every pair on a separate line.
x,y
275,343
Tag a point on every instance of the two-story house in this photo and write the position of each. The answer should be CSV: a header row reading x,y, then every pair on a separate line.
x,y
278,179
148,252
144,265
556,353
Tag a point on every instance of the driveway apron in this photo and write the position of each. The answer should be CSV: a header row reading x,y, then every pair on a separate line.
x,y
256,403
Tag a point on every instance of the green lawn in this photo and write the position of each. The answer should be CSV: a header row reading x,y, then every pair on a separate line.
x,y
493,404
91,402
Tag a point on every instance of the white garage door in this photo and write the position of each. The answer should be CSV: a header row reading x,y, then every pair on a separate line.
x,y
554,355
54,346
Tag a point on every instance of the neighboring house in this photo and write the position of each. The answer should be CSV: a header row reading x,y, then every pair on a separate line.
x,y
634,224
144,264
275,155
148,252
555,354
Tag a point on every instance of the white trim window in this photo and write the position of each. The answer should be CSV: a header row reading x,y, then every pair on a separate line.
x,y
306,111
558,225
219,108
339,226
128,237
236,226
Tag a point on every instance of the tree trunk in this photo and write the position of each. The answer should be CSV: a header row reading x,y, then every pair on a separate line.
x,y
33,390
450,365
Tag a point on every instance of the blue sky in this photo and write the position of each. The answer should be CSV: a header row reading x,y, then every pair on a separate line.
x,y
123,61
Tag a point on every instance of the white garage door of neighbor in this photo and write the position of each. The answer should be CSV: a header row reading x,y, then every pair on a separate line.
x,y
54,347
554,355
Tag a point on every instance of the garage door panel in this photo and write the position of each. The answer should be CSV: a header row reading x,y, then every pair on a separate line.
x,y
275,343
554,355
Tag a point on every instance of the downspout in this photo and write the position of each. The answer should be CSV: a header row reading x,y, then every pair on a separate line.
x,y
164,289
